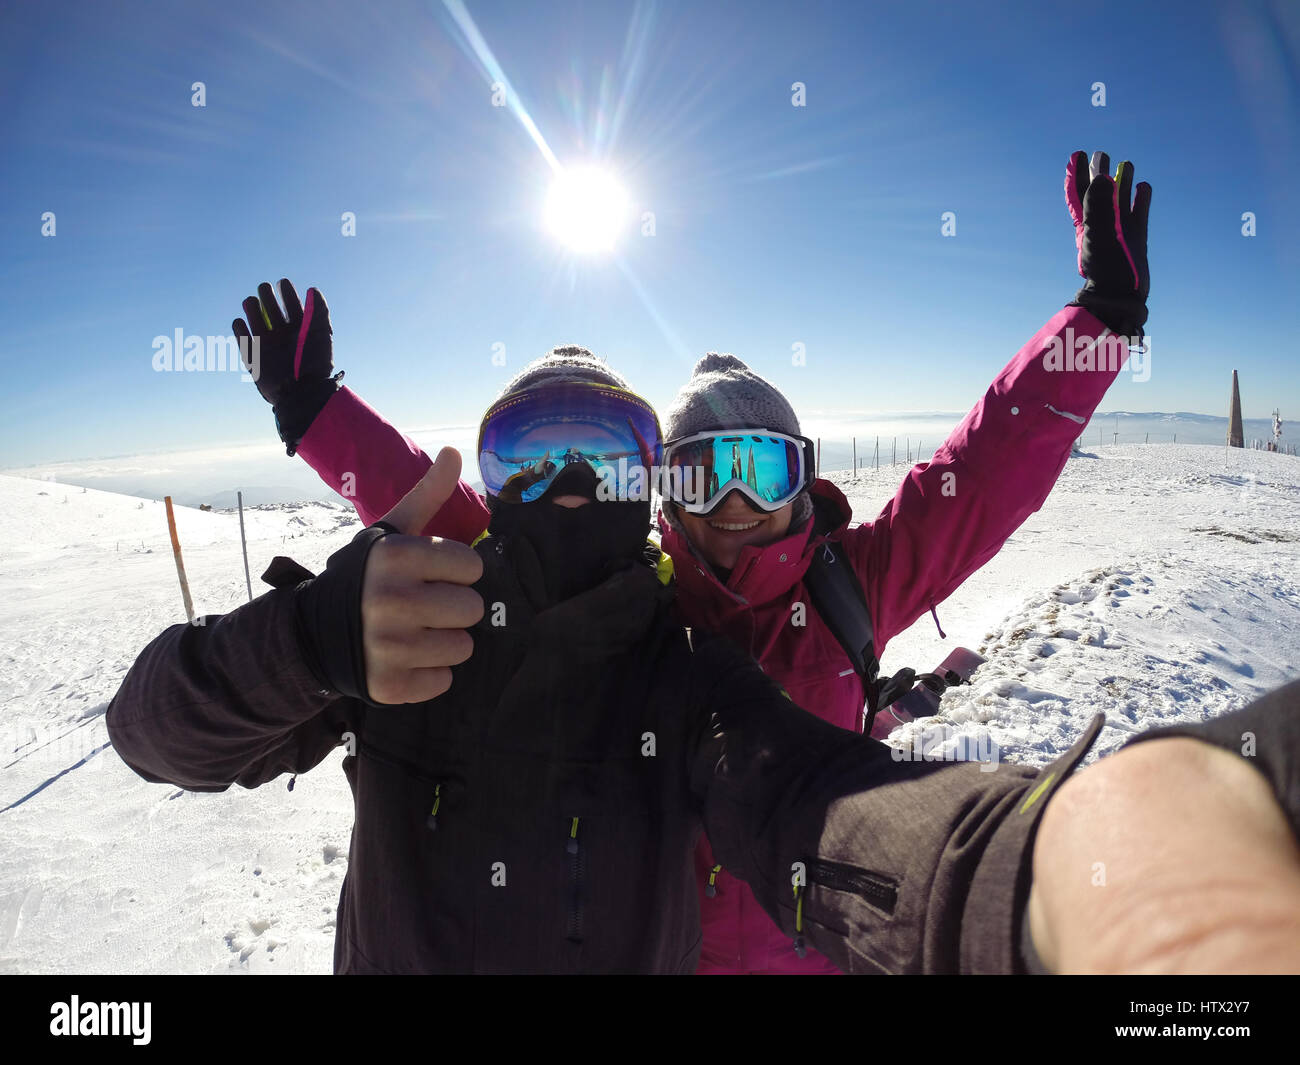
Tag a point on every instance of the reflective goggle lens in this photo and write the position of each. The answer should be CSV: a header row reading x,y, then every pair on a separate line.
x,y
527,439
769,468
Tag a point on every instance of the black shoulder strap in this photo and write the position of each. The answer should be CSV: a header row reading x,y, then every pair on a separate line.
x,y
839,599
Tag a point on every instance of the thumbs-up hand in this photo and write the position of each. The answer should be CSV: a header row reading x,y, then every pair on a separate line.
x,y
416,599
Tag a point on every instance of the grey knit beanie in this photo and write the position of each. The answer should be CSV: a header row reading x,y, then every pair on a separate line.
x,y
563,364
724,393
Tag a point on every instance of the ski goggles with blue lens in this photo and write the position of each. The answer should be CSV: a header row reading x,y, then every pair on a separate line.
x,y
529,438
768,468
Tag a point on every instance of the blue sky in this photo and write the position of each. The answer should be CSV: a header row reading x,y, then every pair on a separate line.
x,y
774,225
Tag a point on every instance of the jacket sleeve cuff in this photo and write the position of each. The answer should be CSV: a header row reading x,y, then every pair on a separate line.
x,y
294,416
1122,315
367,461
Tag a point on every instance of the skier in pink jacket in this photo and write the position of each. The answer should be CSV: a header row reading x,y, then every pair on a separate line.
x,y
740,558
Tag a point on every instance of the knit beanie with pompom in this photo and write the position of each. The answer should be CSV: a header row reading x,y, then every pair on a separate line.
x,y
563,364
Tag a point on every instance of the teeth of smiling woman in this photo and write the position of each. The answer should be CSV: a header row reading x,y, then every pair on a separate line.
x,y
733,526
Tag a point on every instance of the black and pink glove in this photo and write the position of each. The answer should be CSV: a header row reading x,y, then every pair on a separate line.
x,y
294,364
1110,231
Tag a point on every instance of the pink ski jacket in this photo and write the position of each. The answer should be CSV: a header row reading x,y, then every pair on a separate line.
x,y
948,517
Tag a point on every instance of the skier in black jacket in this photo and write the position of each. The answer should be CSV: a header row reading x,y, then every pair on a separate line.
x,y
528,796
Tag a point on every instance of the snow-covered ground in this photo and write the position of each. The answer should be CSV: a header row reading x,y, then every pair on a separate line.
x,y
1157,584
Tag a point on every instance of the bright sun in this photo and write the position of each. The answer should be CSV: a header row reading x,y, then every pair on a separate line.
x,y
586,209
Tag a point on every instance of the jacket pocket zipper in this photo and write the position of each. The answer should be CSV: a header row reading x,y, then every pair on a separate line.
x,y
431,820
880,891
577,869
397,763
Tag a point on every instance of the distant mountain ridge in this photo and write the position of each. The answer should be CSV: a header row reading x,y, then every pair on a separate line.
x,y
1182,415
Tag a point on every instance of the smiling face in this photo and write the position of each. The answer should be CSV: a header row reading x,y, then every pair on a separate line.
x,y
720,536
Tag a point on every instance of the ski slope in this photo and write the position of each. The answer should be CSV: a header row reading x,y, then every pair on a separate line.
x,y
1157,584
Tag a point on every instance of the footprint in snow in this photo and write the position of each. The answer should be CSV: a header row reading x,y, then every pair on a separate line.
x,y
246,941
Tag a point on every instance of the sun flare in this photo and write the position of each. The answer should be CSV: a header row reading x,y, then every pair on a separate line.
x,y
586,209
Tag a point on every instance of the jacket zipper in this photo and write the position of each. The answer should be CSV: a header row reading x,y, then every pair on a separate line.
x,y
431,821
880,891
577,868
799,942
397,763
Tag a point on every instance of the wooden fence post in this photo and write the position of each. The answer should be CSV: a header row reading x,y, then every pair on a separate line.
x,y
180,566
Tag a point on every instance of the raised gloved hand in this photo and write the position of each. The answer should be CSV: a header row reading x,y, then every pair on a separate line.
x,y
1110,231
294,362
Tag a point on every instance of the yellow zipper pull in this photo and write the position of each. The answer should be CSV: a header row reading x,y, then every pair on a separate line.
x,y
800,944
432,822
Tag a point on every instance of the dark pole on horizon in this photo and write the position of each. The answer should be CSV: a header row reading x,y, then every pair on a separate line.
x,y
1236,436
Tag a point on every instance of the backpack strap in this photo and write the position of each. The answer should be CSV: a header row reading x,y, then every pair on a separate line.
x,y
838,597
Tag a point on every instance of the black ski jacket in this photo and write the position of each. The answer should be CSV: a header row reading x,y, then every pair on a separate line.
x,y
540,816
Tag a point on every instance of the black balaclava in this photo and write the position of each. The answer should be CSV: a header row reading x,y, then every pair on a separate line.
x,y
576,547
